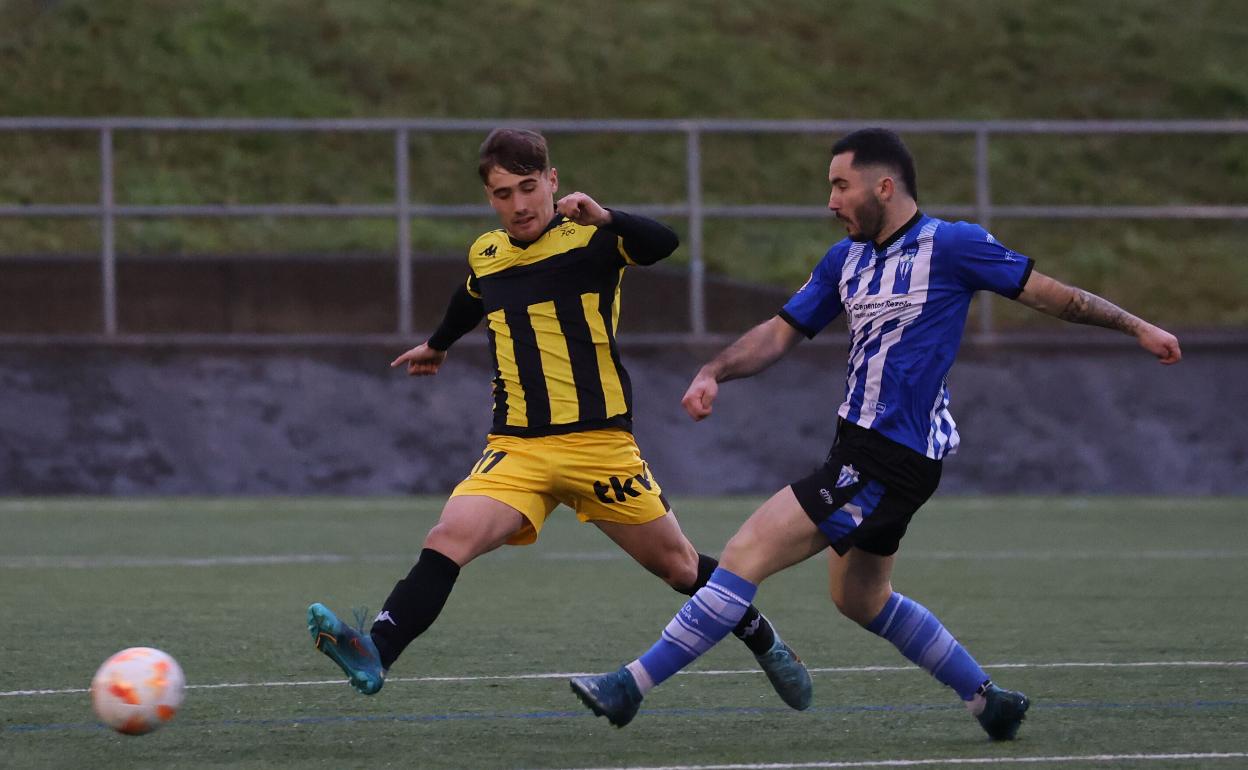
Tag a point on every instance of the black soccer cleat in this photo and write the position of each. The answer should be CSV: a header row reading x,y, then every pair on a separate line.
x,y
1004,711
787,674
614,696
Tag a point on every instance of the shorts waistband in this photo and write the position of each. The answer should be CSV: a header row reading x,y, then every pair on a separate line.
x,y
849,434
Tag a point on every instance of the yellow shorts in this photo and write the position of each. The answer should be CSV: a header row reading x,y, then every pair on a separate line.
x,y
597,473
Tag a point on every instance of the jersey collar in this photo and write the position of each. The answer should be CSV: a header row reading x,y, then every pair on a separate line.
x,y
914,220
552,224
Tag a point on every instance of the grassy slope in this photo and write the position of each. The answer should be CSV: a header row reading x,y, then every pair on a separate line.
x,y
791,59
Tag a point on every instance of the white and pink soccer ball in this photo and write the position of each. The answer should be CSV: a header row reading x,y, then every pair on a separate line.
x,y
137,690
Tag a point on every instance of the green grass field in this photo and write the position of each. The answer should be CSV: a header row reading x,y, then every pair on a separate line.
x,y
1124,619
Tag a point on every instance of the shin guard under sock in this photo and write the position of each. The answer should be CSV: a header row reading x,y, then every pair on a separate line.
x,y
921,637
754,629
413,605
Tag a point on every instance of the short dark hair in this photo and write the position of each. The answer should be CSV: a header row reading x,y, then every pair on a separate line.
x,y
879,146
517,150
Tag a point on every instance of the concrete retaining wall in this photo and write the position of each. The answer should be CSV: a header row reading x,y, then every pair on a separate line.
x,y
1034,419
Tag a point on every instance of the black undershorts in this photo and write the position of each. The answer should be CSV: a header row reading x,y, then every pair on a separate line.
x,y
866,491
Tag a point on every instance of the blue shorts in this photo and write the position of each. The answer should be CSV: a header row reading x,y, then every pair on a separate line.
x,y
867,490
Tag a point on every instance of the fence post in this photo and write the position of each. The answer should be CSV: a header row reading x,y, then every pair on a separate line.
x,y
983,211
697,269
402,184
108,239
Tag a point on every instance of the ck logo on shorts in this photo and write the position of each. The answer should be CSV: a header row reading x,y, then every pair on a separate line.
x,y
620,490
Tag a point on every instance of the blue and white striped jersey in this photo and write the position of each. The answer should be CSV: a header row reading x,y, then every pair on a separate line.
x,y
906,304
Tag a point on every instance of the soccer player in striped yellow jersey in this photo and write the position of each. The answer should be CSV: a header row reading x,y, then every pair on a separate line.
x,y
548,285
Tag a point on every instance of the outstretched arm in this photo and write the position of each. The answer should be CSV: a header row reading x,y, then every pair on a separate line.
x,y
1073,304
756,350
463,313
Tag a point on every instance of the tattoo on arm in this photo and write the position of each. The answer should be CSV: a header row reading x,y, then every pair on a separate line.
x,y
1084,307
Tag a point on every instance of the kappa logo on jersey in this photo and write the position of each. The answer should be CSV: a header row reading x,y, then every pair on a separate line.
x,y
848,477
385,615
489,251
622,489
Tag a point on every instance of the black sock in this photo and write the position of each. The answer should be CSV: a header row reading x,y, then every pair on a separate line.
x,y
413,605
754,629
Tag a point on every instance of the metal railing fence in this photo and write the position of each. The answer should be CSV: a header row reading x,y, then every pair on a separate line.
x,y
106,210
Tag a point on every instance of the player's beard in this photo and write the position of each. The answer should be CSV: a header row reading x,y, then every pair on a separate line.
x,y
870,220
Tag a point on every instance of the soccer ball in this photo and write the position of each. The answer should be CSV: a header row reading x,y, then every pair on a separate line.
x,y
137,690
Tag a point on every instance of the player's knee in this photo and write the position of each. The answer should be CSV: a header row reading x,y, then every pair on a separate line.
x,y
741,551
678,567
680,571
851,607
842,603
439,539
860,607
681,580
453,542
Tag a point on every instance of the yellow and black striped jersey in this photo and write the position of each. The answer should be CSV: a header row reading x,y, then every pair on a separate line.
x,y
552,307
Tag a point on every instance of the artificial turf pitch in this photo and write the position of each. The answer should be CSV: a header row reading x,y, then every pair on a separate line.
x,y
1044,592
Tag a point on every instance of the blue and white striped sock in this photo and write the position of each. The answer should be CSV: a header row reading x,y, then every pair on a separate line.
x,y
914,630
706,618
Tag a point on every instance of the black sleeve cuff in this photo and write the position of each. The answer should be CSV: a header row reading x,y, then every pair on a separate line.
x,y
646,240
1022,282
462,316
791,321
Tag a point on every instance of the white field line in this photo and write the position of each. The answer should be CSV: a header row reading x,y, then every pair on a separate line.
x,y
946,762
196,506
110,562
732,672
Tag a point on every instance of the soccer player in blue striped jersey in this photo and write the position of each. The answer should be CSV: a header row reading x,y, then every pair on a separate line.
x,y
904,281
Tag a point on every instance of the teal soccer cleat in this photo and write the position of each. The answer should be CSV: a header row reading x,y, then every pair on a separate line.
x,y
614,696
787,674
353,651
1004,711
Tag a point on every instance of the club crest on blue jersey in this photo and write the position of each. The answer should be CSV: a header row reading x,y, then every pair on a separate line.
x,y
907,311
906,264
848,477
